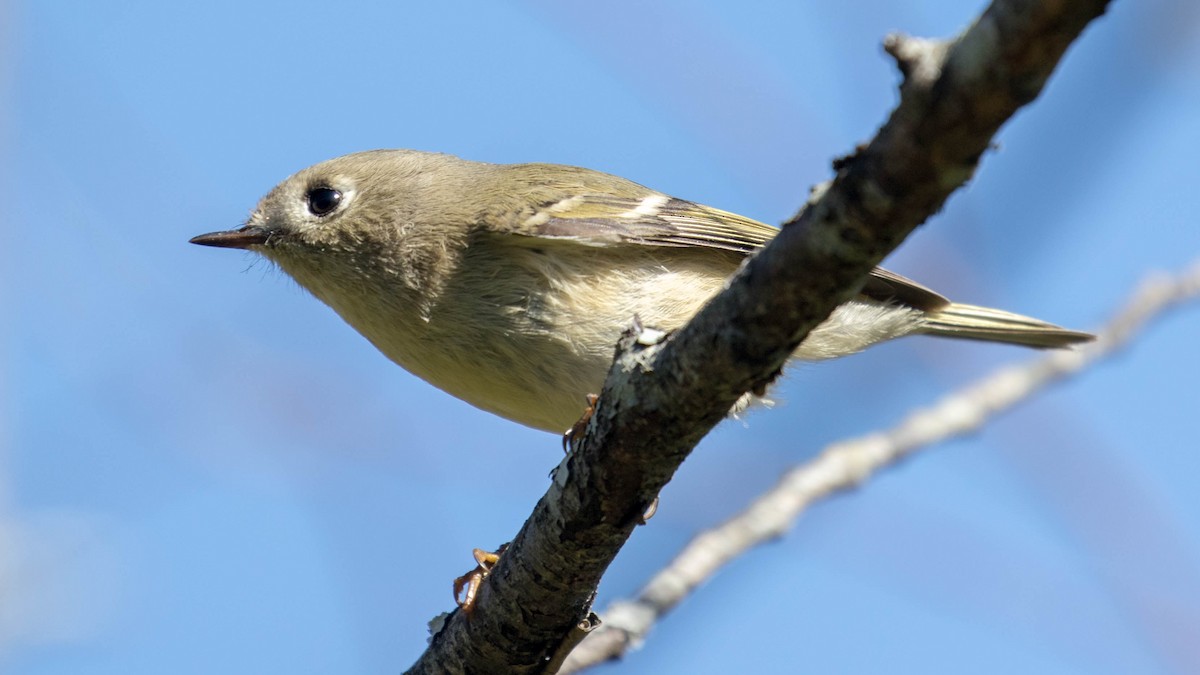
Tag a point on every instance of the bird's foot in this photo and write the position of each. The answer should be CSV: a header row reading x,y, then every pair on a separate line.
x,y
472,580
575,433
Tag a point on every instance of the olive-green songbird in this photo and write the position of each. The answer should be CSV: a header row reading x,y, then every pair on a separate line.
x,y
508,285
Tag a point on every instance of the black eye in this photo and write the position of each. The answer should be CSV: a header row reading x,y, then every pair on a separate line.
x,y
322,200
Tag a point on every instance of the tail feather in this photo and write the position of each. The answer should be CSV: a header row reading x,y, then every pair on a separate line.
x,y
993,325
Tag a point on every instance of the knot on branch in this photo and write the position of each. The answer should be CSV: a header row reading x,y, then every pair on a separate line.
x,y
637,346
920,60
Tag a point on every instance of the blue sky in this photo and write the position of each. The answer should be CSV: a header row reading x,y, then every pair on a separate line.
x,y
202,469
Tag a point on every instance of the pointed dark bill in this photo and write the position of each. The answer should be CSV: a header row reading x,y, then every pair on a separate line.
x,y
243,237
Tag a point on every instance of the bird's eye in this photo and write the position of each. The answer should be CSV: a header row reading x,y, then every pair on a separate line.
x,y
323,200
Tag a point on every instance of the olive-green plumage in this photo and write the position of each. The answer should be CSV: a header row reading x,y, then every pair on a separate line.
x,y
508,285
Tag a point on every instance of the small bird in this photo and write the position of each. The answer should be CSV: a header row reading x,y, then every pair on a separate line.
x,y
509,285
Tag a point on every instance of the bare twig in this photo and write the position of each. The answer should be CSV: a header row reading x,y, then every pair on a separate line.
x,y
844,465
661,399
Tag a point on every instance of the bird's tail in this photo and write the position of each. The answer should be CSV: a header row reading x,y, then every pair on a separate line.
x,y
970,322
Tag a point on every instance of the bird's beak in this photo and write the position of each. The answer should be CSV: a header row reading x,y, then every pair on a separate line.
x,y
243,237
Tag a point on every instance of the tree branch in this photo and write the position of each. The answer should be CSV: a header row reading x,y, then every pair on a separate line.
x,y
845,465
661,398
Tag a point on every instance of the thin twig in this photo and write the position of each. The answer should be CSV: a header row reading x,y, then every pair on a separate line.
x,y
846,464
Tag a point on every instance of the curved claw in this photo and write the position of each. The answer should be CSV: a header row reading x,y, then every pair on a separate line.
x,y
575,433
471,581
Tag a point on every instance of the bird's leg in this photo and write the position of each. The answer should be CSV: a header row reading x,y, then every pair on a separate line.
x,y
471,581
575,433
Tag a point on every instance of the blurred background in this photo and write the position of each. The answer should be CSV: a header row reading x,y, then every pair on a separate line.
x,y
202,469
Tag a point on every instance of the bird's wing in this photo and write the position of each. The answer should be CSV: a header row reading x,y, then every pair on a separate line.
x,y
891,287
651,220
659,220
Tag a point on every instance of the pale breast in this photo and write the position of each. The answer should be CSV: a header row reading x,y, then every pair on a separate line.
x,y
528,332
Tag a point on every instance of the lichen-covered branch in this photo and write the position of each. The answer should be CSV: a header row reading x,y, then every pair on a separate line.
x,y
847,464
662,398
